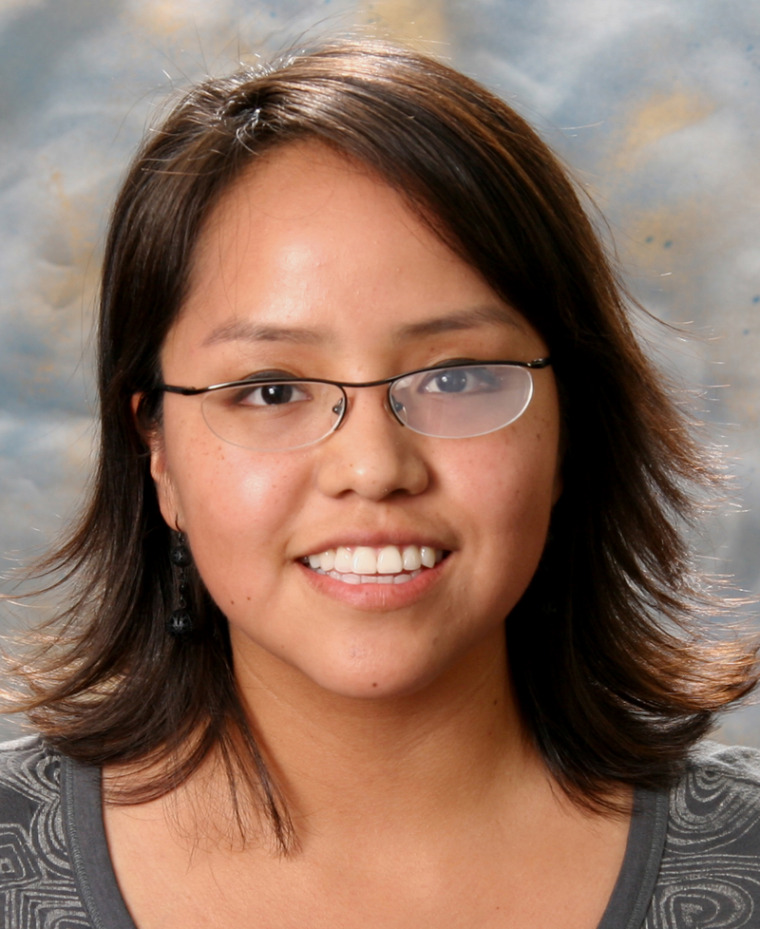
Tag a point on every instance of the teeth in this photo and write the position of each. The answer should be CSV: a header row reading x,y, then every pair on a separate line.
x,y
389,561
344,561
356,564
412,559
364,561
427,556
372,578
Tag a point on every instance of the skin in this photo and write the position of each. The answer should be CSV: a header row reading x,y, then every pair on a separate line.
x,y
312,265
325,252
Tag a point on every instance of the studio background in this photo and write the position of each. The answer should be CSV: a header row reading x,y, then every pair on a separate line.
x,y
654,104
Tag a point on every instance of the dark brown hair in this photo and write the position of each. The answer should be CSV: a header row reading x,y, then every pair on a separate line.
x,y
612,678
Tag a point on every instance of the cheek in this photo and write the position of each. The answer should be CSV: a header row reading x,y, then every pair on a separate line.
x,y
237,511
509,486
519,510
511,474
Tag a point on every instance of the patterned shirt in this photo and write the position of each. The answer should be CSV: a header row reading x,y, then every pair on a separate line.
x,y
692,859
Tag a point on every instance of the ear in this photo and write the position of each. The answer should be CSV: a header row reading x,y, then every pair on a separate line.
x,y
153,437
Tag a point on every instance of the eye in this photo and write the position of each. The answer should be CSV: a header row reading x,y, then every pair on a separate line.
x,y
475,379
271,394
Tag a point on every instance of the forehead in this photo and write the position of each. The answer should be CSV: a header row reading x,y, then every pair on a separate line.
x,y
311,245
306,208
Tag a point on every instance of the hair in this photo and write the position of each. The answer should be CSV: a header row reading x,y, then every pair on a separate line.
x,y
613,678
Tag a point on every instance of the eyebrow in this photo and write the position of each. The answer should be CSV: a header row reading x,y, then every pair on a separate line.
x,y
487,314
246,331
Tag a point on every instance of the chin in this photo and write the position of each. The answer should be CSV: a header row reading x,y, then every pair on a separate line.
x,y
378,682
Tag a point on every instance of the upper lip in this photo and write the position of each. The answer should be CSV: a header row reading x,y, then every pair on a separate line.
x,y
377,540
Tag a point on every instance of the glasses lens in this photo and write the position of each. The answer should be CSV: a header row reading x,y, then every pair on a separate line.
x,y
462,402
273,415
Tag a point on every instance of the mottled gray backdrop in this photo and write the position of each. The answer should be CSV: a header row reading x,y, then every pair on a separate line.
x,y
654,103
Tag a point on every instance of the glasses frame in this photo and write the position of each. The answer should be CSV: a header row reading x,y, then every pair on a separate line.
x,y
536,364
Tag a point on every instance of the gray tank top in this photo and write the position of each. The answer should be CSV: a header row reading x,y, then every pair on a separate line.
x,y
692,859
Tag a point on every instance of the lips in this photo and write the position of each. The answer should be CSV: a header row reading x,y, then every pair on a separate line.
x,y
362,564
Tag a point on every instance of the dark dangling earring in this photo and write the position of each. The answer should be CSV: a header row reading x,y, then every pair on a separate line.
x,y
180,623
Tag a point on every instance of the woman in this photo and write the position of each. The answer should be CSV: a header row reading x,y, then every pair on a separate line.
x,y
380,613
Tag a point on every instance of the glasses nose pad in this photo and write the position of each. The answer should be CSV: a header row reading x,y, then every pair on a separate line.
x,y
398,408
338,409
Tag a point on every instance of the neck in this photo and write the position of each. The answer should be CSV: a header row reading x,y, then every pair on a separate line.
x,y
415,759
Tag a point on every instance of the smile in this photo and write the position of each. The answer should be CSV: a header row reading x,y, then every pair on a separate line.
x,y
361,564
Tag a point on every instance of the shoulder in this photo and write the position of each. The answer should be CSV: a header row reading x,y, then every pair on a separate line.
x,y
709,872
718,797
24,759
731,761
37,881
30,778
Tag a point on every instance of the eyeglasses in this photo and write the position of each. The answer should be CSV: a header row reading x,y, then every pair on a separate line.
x,y
456,401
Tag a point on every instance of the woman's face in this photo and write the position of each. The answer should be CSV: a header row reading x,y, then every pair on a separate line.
x,y
312,266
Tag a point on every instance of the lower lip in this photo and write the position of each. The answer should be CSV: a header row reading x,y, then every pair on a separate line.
x,y
375,596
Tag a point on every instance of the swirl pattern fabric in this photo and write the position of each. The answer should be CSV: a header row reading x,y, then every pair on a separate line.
x,y
38,886
709,876
693,857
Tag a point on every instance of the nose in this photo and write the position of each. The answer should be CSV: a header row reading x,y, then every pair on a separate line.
x,y
371,454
